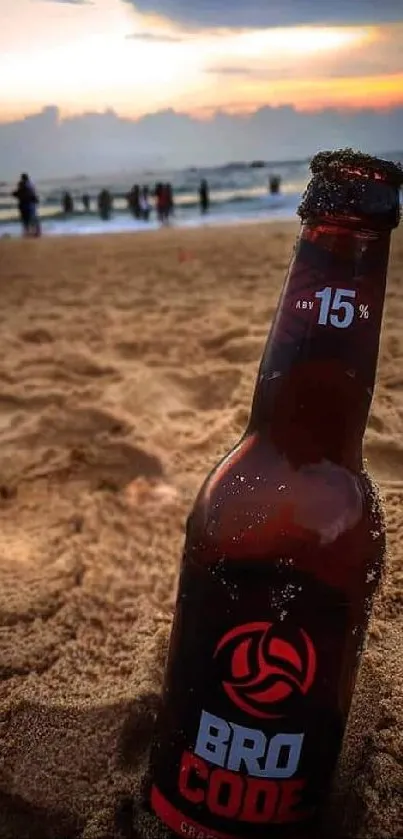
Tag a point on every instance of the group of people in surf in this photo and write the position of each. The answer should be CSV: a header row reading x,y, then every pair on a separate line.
x,y
139,202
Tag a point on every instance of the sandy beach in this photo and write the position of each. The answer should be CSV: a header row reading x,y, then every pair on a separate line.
x,y
127,370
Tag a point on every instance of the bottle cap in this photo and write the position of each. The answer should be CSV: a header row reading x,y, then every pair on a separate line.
x,y
350,184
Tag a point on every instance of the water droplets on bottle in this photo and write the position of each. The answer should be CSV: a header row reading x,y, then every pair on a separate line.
x,y
285,561
211,527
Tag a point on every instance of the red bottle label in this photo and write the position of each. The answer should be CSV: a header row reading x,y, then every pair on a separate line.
x,y
251,723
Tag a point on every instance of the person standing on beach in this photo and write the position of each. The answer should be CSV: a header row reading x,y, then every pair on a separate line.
x,y
144,203
27,203
169,200
67,203
204,197
105,204
86,202
274,184
161,202
133,200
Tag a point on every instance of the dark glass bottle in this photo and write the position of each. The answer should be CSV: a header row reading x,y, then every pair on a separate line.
x,y
285,544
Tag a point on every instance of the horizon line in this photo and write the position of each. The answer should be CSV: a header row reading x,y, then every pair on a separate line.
x,y
158,168
206,113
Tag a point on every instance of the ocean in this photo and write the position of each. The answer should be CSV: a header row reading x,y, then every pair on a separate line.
x,y
238,192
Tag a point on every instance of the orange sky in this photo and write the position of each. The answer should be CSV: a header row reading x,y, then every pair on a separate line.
x,y
105,55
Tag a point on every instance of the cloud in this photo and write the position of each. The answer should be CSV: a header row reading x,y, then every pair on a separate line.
x,y
153,37
280,72
48,146
71,2
382,57
263,13
233,71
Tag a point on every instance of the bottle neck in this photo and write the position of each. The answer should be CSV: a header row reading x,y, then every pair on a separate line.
x,y
316,378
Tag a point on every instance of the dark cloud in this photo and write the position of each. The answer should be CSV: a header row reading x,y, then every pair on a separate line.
x,y
264,13
355,67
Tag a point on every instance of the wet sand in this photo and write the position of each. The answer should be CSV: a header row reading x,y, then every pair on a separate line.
x,y
127,369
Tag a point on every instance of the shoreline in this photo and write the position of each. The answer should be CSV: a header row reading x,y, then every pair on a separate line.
x,y
79,226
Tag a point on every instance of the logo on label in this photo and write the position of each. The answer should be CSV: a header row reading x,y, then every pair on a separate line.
x,y
267,665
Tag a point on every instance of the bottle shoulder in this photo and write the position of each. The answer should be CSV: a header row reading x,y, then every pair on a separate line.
x,y
256,502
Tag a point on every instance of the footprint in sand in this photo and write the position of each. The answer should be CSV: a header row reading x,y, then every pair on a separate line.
x,y
70,367
208,392
10,402
81,365
217,342
84,445
164,394
243,352
131,349
235,346
84,437
15,407
76,425
114,466
37,336
147,392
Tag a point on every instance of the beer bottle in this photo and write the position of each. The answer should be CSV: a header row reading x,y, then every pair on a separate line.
x,y
285,543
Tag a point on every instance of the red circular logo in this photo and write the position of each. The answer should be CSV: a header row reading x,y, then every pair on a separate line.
x,y
266,667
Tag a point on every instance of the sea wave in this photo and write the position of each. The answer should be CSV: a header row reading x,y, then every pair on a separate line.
x,y
220,214
238,191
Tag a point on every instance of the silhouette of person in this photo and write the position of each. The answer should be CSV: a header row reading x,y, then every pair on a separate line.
x,y
274,184
67,203
27,203
133,200
144,203
170,205
160,200
105,204
204,196
86,202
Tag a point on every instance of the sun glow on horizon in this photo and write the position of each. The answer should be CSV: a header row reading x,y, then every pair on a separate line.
x,y
301,40
103,56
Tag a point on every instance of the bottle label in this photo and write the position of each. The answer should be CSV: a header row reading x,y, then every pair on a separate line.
x,y
252,718
331,308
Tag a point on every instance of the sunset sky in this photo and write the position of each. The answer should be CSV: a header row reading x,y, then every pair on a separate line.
x,y
198,56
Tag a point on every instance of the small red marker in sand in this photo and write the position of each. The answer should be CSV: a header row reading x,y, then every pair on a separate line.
x,y
184,256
